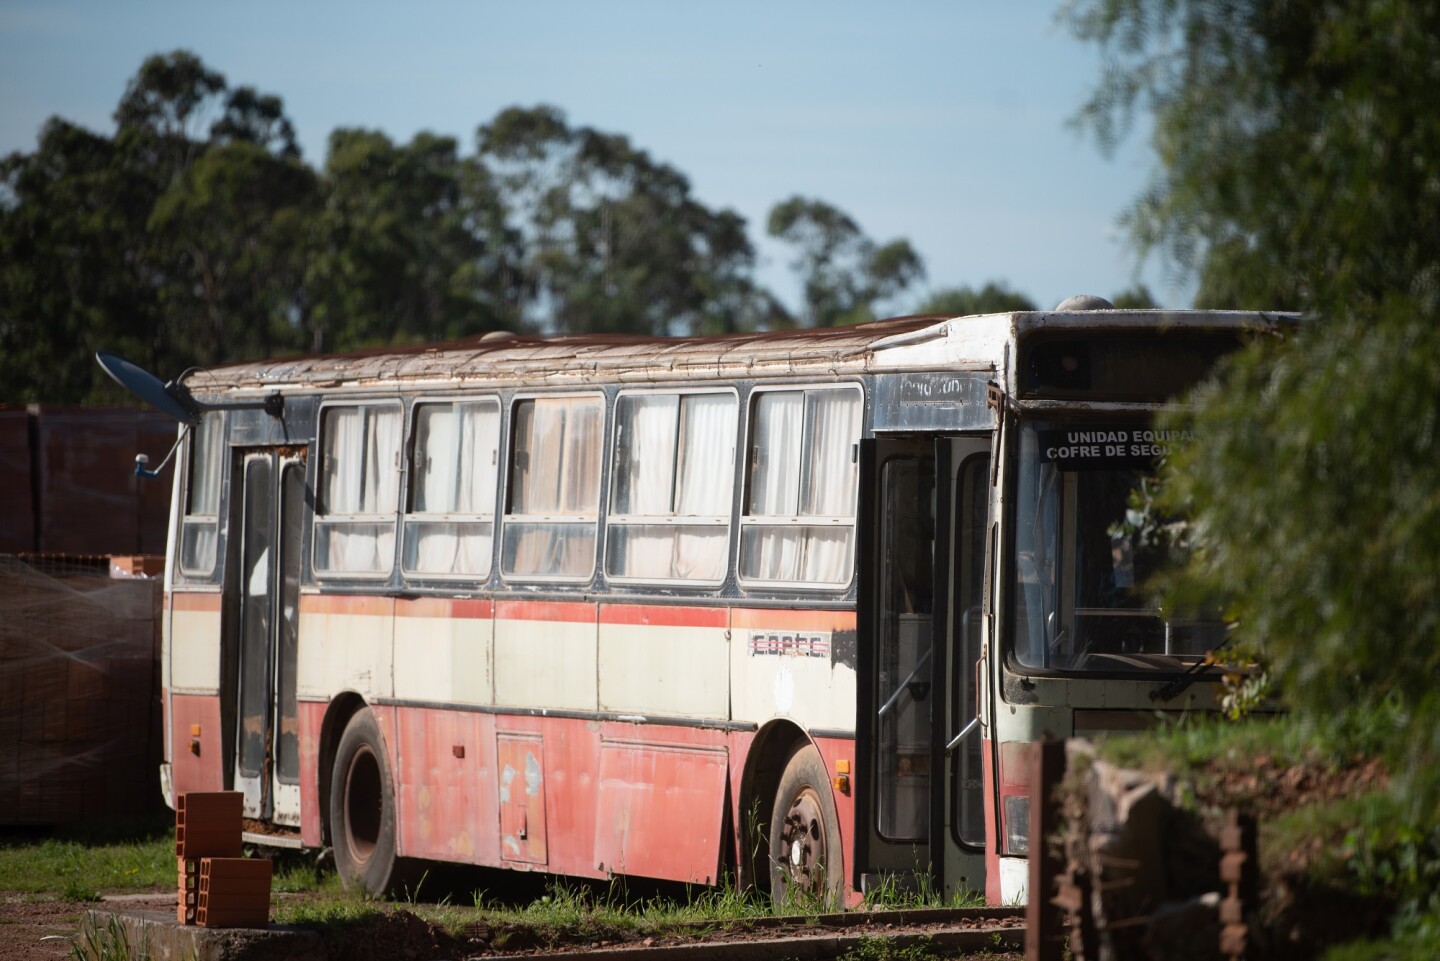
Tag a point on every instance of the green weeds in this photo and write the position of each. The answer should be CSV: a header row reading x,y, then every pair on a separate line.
x,y
106,942
75,864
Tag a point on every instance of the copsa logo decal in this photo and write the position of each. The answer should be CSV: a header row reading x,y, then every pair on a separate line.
x,y
789,644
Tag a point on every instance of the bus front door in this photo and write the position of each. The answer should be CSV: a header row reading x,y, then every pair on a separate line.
x,y
925,817
266,736
960,734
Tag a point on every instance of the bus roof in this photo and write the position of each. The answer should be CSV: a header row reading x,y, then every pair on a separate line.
x,y
504,359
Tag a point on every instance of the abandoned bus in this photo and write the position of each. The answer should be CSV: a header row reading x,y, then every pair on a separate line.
x,y
783,607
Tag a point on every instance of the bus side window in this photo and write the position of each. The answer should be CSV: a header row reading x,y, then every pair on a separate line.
x,y
799,523
554,488
674,462
200,525
450,518
359,489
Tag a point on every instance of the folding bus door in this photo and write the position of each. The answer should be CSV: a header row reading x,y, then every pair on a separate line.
x,y
266,736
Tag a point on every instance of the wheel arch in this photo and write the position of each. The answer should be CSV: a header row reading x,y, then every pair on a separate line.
x,y
342,708
765,763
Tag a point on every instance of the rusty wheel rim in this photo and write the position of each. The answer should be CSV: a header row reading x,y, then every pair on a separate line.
x,y
802,842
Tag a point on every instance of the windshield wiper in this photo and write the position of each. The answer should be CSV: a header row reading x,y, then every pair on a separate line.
x,y
1174,687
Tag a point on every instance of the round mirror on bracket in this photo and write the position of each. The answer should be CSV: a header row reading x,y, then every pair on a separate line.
x,y
172,401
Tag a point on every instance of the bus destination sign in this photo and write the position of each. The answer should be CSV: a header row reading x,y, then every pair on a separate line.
x,y
1109,447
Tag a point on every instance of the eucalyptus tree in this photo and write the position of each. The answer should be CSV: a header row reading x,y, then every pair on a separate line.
x,y
843,272
614,241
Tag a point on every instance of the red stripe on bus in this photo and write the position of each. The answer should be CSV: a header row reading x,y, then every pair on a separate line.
x,y
456,607
562,611
362,604
662,616
195,601
771,620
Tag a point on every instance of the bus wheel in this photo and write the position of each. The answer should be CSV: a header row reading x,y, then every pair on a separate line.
x,y
362,808
805,854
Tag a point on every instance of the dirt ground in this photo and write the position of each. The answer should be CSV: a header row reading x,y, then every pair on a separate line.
x,y
42,929
33,929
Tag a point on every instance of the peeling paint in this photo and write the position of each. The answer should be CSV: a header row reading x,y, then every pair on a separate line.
x,y
507,777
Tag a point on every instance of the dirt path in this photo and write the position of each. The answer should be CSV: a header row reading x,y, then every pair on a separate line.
x,y
32,929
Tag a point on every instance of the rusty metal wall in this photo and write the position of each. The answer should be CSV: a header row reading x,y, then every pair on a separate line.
x,y
79,694
68,476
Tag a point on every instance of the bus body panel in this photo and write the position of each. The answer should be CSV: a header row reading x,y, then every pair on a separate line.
x,y
545,655
667,661
346,643
796,664
194,662
445,650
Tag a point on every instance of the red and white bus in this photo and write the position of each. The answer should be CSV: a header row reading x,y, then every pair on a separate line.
x,y
782,607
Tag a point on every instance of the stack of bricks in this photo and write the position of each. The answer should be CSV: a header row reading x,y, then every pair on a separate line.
x,y
218,887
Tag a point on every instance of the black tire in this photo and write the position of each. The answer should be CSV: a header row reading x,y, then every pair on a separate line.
x,y
362,810
807,863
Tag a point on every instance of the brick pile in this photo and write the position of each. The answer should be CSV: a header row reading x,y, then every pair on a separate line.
x,y
218,887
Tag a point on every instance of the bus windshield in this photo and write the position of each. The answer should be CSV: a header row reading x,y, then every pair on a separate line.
x,y
1081,601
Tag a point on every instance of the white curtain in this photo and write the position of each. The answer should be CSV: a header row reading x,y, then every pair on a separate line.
x,y
706,469
804,467
200,526
557,472
833,430
361,479
455,478
674,460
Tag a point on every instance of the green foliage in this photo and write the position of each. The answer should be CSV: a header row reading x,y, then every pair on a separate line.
x,y
845,273
890,949
995,297
1314,488
613,241
196,235
1298,146
1300,167
1135,298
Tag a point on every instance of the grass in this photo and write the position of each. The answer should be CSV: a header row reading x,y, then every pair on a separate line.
x,y
76,864
79,864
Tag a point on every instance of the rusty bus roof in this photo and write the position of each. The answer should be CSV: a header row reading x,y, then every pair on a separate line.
x,y
512,359
503,357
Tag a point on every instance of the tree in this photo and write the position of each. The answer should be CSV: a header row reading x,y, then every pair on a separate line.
x,y
234,228
614,242
410,245
844,272
1298,154
1300,165
71,277
995,297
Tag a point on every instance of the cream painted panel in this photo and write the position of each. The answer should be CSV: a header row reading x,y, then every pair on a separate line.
x,y
545,664
344,651
815,692
674,671
444,659
195,652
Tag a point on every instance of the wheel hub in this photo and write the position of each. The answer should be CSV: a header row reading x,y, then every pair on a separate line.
x,y
802,837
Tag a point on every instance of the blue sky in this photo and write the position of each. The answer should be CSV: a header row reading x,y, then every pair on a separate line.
x,y
944,123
